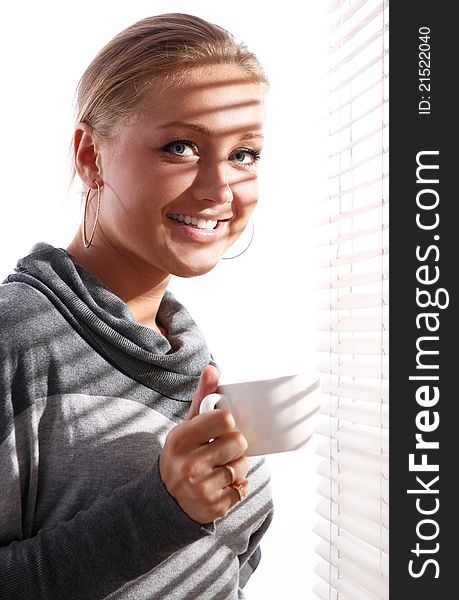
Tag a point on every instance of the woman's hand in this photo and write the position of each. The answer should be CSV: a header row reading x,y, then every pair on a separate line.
x,y
192,468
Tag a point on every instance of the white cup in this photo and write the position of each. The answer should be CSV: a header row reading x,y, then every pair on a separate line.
x,y
274,415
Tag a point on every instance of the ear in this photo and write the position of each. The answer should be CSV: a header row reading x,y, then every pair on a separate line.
x,y
86,154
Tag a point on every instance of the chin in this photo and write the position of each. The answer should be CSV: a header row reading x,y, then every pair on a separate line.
x,y
194,269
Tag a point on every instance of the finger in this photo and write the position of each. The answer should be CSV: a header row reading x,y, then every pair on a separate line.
x,y
209,483
241,489
233,472
230,496
235,493
208,384
222,501
229,469
193,434
225,448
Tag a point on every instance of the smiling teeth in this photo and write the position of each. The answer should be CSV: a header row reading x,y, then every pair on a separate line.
x,y
199,223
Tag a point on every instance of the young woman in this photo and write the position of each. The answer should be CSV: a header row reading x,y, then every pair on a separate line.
x,y
113,485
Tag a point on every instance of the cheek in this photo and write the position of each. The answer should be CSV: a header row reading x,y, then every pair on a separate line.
x,y
163,184
243,205
145,191
168,184
246,193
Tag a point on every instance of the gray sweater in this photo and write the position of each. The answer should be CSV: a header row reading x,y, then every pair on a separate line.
x,y
87,396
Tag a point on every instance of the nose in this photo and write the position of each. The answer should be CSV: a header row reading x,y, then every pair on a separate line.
x,y
211,183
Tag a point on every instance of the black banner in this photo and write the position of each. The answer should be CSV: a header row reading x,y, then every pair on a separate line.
x,y
424,240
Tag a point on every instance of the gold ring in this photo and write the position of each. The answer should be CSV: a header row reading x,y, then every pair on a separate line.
x,y
232,473
239,487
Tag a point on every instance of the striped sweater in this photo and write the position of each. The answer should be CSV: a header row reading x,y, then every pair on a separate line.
x,y
87,397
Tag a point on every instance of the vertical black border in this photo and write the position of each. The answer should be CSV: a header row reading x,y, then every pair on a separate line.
x,y
410,133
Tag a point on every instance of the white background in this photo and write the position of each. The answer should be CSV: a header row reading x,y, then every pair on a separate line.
x,y
256,311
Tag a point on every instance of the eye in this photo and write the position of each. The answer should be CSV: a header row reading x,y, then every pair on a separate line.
x,y
246,157
180,148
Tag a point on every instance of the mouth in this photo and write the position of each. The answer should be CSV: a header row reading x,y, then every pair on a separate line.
x,y
196,222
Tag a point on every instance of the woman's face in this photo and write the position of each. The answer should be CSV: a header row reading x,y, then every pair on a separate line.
x,y
180,180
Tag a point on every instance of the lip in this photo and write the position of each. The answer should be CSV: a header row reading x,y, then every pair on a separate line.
x,y
205,216
196,234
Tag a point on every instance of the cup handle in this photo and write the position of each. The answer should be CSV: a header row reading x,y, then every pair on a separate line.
x,y
209,402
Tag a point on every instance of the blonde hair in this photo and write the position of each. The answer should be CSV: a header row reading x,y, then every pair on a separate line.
x,y
159,48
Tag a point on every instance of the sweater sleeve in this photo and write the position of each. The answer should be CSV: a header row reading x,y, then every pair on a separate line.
x,y
249,561
116,540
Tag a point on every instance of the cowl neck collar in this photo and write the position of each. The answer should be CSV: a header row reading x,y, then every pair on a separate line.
x,y
170,366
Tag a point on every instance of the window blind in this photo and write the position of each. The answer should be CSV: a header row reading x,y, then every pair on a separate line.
x,y
352,306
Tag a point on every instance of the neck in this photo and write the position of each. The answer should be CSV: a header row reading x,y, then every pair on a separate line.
x,y
140,286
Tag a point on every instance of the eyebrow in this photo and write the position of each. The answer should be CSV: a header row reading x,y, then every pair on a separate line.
x,y
248,135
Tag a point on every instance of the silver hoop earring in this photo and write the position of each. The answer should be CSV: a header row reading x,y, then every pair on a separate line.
x,y
246,248
87,242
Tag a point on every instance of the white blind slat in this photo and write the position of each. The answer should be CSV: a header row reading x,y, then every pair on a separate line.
x,y
354,165
354,257
362,115
359,140
339,588
345,237
370,509
366,413
357,323
354,98
354,188
374,60
355,345
352,301
322,591
323,529
363,46
371,485
367,440
361,461
375,534
362,553
353,571
353,9
327,572
324,509
353,280
341,216
355,368
376,392
352,591
356,573
355,435
325,551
